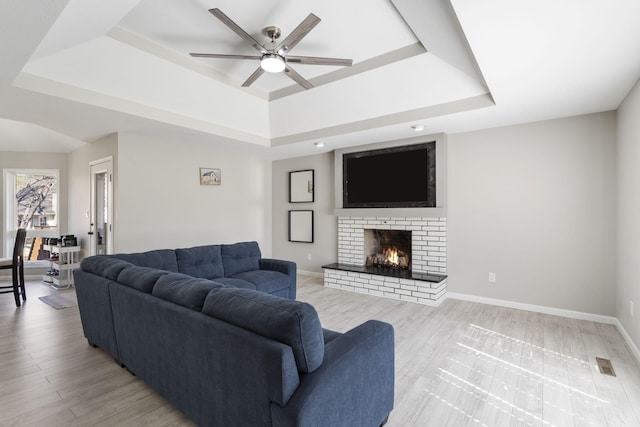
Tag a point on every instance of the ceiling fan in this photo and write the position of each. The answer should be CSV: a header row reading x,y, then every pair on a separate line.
x,y
274,56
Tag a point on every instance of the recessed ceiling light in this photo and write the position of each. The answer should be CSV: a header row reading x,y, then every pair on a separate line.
x,y
417,128
319,144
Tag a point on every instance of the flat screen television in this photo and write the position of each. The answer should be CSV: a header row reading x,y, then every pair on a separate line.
x,y
396,177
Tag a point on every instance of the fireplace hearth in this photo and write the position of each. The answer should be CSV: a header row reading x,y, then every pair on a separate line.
x,y
388,249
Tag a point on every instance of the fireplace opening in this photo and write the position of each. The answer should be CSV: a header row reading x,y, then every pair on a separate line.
x,y
388,248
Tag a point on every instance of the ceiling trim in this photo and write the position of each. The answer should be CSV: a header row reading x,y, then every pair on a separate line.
x,y
358,68
437,26
180,59
473,103
23,26
183,60
73,93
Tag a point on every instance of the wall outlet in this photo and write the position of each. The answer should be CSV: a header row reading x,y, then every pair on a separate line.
x,y
492,277
309,256
631,308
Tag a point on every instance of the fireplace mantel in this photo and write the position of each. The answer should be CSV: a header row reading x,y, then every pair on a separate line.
x,y
391,212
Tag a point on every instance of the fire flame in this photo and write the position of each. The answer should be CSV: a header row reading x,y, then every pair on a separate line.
x,y
391,256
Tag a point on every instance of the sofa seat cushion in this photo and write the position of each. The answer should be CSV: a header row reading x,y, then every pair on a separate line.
x,y
265,280
184,290
104,265
240,257
162,259
200,261
141,278
237,283
290,322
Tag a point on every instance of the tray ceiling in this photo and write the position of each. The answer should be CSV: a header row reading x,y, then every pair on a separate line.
x,y
452,65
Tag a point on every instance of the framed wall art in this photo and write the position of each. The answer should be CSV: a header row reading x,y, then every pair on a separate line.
x,y
301,226
210,176
301,186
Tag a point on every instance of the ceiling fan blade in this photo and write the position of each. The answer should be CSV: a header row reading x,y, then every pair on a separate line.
x,y
253,77
314,60
236,29
298,78
222,55
298,33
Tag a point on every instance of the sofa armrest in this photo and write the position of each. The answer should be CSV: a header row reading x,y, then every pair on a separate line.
x,y
285,267
353,387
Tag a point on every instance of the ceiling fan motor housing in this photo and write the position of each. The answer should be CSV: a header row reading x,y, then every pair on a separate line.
x,y
272,32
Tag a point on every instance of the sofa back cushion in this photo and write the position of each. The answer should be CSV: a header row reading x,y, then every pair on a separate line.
x,y
200,261
104,265
184,290
162,259
240,257
290,322
141,278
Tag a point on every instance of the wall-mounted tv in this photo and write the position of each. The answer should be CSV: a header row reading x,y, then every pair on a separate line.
x,y
397,177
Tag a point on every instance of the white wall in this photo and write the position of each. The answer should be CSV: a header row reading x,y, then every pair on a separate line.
x,y
80,185
324,249
535,203
628,267
161,203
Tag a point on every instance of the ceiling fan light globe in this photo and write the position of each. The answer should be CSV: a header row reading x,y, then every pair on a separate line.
x,y
272,63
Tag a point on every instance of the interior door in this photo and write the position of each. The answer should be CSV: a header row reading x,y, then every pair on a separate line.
x,y
101,212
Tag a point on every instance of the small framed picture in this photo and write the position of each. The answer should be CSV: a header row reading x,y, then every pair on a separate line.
x,y
301,226
301,186
210,176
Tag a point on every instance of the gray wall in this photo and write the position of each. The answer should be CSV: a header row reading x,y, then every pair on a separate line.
x,y
324,249
158,201
161,203
80,185
547,189
535,204
628,280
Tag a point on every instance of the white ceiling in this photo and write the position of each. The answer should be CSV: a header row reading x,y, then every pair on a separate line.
x,y
74,71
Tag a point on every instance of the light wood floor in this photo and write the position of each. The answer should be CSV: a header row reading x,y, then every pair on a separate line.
x,y
459,364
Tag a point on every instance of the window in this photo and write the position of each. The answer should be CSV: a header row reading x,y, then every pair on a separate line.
x,y
31,201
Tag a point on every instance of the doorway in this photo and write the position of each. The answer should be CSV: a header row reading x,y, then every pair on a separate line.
x,y
101,211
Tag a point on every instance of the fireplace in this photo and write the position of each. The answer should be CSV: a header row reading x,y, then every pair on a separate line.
x,y
388,249
423,238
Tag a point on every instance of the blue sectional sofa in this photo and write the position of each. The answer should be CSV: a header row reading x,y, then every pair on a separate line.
x,y
216,331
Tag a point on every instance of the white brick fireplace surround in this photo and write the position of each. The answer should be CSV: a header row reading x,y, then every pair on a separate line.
x,y
428,258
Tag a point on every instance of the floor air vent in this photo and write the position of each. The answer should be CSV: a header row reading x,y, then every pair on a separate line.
x,y
605,366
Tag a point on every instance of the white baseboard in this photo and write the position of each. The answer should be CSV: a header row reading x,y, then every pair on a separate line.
x,y
609,320
630,343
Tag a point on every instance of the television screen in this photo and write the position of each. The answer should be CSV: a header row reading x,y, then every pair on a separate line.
x,y
389,178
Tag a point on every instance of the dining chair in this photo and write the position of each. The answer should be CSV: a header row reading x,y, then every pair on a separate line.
x,y
16,264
